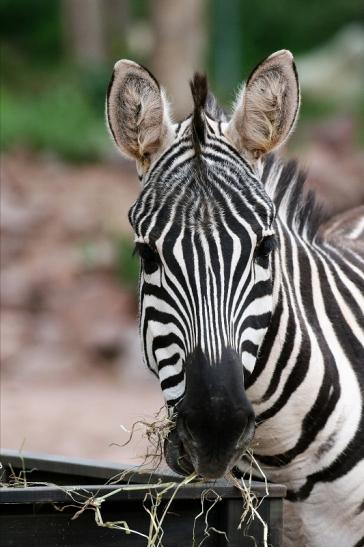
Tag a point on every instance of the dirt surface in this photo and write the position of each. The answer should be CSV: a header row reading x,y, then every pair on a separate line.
x,y
72,372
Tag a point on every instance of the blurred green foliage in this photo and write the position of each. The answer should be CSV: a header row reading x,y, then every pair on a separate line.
x,y
49,103
243,33
59,119
32,29
127,264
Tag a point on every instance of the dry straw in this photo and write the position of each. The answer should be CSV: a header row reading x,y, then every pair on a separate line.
x,y
155,492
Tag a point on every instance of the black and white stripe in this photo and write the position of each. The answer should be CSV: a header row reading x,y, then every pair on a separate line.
x,y
194,296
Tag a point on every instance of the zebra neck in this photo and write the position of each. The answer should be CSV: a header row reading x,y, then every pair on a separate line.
x,y
304,387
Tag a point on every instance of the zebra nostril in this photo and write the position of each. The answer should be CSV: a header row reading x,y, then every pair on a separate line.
x,y
176,455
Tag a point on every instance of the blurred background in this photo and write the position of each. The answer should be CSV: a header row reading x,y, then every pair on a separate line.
x,y
72,372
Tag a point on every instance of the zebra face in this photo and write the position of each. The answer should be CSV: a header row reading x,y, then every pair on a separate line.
x,y
205,297
204,230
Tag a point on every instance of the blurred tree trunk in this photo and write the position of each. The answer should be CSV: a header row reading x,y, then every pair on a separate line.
x,y
116,23
83,30
227,54
179,30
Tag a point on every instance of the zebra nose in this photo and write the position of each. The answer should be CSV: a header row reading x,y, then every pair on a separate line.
x,y
212,447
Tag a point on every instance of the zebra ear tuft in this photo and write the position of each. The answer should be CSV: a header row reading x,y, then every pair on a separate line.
x,y
267,107
137,112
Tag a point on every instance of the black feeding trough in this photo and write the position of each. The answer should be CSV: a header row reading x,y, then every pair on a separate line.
x,y
40,516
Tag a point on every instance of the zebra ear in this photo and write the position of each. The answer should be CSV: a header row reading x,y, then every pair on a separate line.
x,y
137,112
267,107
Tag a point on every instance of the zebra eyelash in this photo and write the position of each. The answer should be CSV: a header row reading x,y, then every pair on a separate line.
x,y
149,257
265,246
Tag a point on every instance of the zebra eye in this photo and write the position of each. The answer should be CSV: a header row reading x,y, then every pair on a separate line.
x,y
265,246
149,257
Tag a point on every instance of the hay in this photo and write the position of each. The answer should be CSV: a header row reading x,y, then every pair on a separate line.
x,y
154,494
155,432
20,480
215,498
14,480
251,502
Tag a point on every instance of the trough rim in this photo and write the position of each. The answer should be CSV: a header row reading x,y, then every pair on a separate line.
x,y
82,467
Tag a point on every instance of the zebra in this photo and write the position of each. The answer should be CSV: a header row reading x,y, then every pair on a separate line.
x,y
251,305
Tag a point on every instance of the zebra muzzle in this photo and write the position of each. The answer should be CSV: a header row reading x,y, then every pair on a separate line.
x,y
210,456
176,456
214,421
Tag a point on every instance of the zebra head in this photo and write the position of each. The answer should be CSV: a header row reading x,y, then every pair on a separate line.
x,y
204,231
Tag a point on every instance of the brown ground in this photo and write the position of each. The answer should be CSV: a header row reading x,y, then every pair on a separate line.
x,y
71,366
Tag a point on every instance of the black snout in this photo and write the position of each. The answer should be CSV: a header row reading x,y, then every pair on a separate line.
x,y
214,421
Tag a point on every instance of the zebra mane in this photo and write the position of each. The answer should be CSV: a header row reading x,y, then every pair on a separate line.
x,y
284,182
199,91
